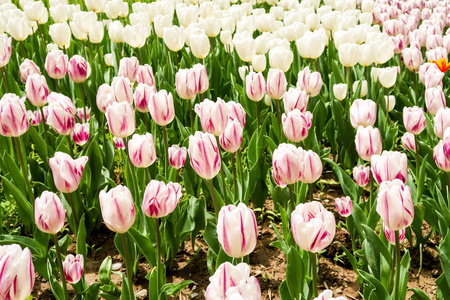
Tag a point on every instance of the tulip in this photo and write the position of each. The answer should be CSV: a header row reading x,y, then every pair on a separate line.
x,y
117,208
368,142
388,76
287,164
119,143
440,158
135,35
173,38
328,294
97,33
109,59
79,69
5,50
66,171
160,199
121,119
199,43
63,101
348,54
36,89
363,113
394,204
344,206
35,118
61,120
259,63
276,84
177,156
310,82
141,150
186,83
60,34
73,267
408,141
13,116
115,32
340,91
389,166
204,155
231,138
36,11
412,58
49,213
128,67
142,95
202,78
313,227
104,97
233,281
18,272
27,68
161,107
390,234
237,112
255,86
145,75
311,166
80,133
245,48
441,121
361,175
56,64
363,90
280,58
434,99
414,119
80,114
310,46
390,102
295,99
237,230
296,125
122,89
213,116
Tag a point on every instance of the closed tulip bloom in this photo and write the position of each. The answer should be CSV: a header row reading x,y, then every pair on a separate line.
x,y
408,141
213,116
344,206
276,84
441,121
280,58
61,120
233,281
141,150
128,67
177,156
97,33
295,99
119,143
389,234
199,43
390,102
122,89
79,69
160,199
80,114
313,227
121,119
368,142
80,133
236,230
414,119
394,204
231,138
186,83
13,116
18,272
440,158
328,294
18,28
36,89
245,48
49,213
287,164
161,107
296,125
255,86
35,117
145,75
340,91
202,78
5,50
434,99
348,54
310,82
109,59
56,64
390,165
104,97
237,112
259,63
66,171
61,100
311,166
142,96
60,34
363,90
174,38
73,267
117,208
27,68
388,76
412,58
363,113
204,155
361,175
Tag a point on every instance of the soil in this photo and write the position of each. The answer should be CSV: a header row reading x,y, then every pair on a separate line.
x,y
268,263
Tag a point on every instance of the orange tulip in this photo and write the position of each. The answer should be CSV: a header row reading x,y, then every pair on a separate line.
x,y
442,64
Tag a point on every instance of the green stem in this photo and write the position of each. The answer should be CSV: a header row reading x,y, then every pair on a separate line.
x,y
128,265
69,141
239,164
191,115
74,214
60,265
84,101
291,194
16,141
397,267
24,52
314,274
233,166
158,253
222,173
45,132
370,188
420,259
4,80
133,174
416,88
214,198
257,115
447,174
311,191
416,141
387,107
166,154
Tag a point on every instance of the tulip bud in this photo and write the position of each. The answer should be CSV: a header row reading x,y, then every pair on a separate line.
x,y
121,119
13,116
310,82
389,166
363,113
202,78
128,67
389,234
109,59
80,133
394,204
361,175
63,101
36,89
363,91
5,50
117,208
177,156
18,28
287,164
49,213
35,117
56,64
412,58
259,63
388,76
255,86
61,120
344,206
213,116
122,89
434,99
161,107
119,143
104,97
414,119
295,99
237,230
237,112
199,43
80,114
141,150
441,121
142,95
313,227
186,83
348,54
97,33
296,125
204,155
390,102
280,58
340,91
160,199
408,141
27,68
311,166
174,38
73,268
145,75
276,84
440,158
66,171
231,138
368,142
245,48
79,69
61,34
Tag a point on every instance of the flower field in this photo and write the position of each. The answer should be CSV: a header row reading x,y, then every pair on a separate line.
x,y
196,149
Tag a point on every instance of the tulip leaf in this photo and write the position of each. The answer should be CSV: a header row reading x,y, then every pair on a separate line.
x,y
348,185
41,239
404,272
56,288
295,273
419,295
351,258
210,236
22,202
284,291
152,284
145,245
197,212
444,251
81,237
171,289
104,272
443,287
373,248
14,171
23,241
222,257
379,290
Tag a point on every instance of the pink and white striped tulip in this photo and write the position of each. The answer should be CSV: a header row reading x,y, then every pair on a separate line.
x,y
276,84
202,78
80,114
409,141
177,156
61,120
296,125
213,116
204,155
79,69
49,213
361,175
13,116
255,86
363,113
441,121
344,206
394,204
186,83
414,119
328,295
412,58
389,234
311,166
368,142
310,82
121,119
231,138
34,117
440,158
66,171
160,199
390,165
237,230
295,98
237,112
161,107
142,96
233,282
57,64
141,150
61,100
5,49
313,227
434,99
287,164
145,75
104,97
80,133
27,68
128,67
119,143
122,89
73,267
117,208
